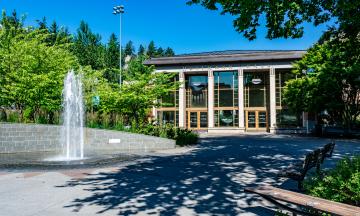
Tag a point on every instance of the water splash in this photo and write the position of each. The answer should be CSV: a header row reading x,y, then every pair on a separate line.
x,y
73,118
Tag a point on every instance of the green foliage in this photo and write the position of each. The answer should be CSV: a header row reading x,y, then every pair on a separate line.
x,y
342,184
142,88
169,52
129,49
88,48
285,18
141,51
34,62
185,137
31,72
151,50
332,82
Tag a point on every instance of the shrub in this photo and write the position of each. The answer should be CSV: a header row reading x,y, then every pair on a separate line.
x,y
182,136
185,137
342,184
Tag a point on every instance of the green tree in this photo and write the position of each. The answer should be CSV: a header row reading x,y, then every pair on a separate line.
x,y
129,49
42,24
112,57
142,88
151,50
160,52
141,50
169,52
32,73
284,18
332,82
88,48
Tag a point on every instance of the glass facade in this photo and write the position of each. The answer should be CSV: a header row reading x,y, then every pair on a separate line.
x,y
226,99
256,88
196,91
168,107
168,117
257,115
226,118
281,77
170,100
287,119
284,118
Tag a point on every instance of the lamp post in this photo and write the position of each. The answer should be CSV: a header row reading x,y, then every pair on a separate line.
x,y
119,10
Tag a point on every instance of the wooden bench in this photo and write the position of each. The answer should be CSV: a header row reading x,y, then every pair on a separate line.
x,y
313,159
274,195
327,151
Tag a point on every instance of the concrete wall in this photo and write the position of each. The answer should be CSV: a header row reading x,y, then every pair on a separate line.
x,y
33,138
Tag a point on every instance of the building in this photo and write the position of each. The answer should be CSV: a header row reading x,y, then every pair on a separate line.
x,y
229,91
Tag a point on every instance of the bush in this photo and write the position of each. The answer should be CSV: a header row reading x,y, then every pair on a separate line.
x,y
342,184
182,136
185,137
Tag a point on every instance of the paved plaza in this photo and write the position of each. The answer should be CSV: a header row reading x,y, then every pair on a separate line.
x,y
208,180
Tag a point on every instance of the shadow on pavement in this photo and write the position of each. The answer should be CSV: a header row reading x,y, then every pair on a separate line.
x,y
209,180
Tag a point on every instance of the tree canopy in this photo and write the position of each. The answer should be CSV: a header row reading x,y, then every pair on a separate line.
x,y
329,80
285,18
35,60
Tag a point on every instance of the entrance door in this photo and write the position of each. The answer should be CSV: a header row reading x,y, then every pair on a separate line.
x,y
197,120
256,120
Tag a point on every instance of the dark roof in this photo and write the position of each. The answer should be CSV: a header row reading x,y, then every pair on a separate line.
x,y
228,56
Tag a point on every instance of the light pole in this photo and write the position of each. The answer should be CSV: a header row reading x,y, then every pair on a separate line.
x,y
119,10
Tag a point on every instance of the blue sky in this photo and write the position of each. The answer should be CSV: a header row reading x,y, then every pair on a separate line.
x,y
170,23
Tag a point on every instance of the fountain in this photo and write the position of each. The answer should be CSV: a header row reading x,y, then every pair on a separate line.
x,y
45,147
73,118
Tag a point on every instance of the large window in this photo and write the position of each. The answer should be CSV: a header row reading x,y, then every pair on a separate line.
x,y
226,118
226,99
256,87
168,117
284,117
196,91
168,107
287,119
282,76
170,100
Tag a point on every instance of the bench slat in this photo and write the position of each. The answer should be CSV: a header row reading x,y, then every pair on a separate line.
x,y
306,201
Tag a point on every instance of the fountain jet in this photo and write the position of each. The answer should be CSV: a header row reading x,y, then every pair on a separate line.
x,y
73,118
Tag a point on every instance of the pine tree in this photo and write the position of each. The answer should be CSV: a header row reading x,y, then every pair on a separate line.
x,y
112,56
88,47
141,51
64,35
151,51
169,52
112,52
54,32
160,52
42,23
129,49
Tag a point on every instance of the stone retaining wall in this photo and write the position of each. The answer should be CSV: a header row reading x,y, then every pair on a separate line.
x,y
34,138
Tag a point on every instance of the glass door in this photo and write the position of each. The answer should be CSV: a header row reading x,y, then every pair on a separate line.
x,y
193,120
256,120
197,120
251,119
203,120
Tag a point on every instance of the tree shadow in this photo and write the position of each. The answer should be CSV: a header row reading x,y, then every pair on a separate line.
x,y
209,180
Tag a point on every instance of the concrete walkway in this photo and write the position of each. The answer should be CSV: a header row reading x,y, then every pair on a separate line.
x,y
206,181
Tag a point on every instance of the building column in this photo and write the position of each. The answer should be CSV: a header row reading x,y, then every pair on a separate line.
x,y
154,111
241,99
182,101
272,100
210,99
